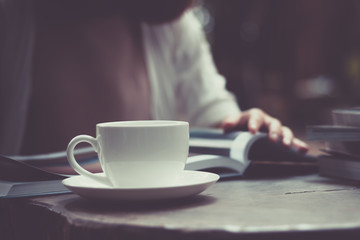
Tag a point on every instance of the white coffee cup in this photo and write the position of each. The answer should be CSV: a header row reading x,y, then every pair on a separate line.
x,y
136,153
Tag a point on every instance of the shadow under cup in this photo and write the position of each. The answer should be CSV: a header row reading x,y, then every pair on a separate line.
x,y
142,153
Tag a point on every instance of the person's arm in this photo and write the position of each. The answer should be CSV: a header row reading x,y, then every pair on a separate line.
x,y
204,96
201,90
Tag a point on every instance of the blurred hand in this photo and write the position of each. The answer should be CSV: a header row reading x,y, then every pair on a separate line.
x,y
255,119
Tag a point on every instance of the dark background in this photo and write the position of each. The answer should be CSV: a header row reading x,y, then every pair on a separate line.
x,y
295,59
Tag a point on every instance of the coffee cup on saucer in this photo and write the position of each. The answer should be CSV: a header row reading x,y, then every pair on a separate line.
x,y
136,154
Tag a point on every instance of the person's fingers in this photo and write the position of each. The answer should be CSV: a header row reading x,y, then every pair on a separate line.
x,y
287,136
300,145
253,120
274,128
256,120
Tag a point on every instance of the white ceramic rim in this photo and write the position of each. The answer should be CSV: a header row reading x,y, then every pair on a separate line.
x,y
142,123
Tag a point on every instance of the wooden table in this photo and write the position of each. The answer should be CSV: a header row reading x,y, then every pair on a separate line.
x,y
288,206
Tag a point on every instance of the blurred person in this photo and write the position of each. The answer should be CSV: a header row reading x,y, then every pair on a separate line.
x,y
67,65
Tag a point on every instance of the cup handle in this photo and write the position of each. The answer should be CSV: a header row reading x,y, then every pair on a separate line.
x,y
76,166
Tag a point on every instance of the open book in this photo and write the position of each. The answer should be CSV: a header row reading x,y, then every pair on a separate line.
x,y
210,150
230,154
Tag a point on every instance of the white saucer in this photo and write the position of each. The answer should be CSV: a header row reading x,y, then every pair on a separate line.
x,y
188,183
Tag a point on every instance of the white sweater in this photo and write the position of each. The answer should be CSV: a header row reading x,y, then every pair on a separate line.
x,y
183,78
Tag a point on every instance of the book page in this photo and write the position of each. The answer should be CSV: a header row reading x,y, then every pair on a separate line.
x,y
241,146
